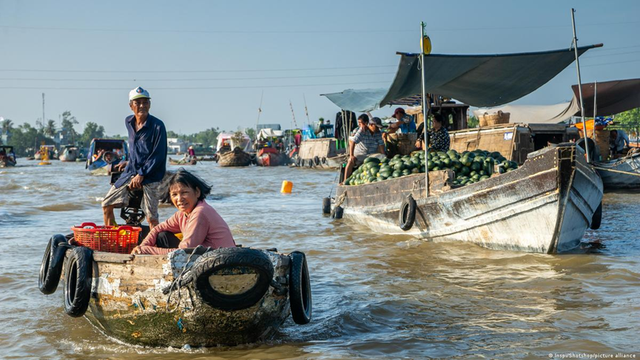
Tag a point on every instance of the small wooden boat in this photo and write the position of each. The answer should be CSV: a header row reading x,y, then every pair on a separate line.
x,y
236,157
623,173
69,153
271,157
544,206
182,162
104,154
195,297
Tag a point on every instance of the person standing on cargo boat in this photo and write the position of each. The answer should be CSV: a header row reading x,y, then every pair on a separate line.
x,y
365,142
146,165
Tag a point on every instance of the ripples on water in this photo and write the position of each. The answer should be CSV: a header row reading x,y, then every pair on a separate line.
x,y
374,296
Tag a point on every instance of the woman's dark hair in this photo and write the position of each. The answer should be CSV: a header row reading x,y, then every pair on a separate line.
x,y
439,118
185,178
364,117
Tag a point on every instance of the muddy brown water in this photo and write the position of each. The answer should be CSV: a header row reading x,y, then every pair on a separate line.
x,y
374,296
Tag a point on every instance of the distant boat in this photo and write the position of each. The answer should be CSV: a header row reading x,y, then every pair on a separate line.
x,y
104,153
7,156
69,153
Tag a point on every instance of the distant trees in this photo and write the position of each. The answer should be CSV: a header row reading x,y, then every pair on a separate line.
x,y
251,132
68,131
91,130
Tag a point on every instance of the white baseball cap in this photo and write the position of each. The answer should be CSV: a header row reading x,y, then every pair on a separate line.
x,y
138,93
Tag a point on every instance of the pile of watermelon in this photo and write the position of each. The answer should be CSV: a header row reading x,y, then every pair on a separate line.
x,y
469,167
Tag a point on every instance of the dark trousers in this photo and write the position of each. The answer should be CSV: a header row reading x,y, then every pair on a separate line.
x,y
167,240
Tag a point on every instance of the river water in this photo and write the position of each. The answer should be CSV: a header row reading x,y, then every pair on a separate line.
x,y
374,296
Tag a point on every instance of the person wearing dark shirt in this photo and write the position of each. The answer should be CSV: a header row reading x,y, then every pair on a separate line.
x,y
147,160
438,136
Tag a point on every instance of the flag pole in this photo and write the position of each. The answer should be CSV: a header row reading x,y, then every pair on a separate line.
x,y
575,49
426,107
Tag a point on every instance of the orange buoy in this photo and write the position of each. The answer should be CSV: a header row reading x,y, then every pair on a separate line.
x,y
287,186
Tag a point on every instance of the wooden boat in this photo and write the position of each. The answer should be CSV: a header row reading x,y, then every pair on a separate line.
x,y
320,154
236,157
190,297
69,153
271,157
182,162
623,173
7,156
544,206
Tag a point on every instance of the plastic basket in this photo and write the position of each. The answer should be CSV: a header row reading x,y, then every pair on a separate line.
x,y
119,240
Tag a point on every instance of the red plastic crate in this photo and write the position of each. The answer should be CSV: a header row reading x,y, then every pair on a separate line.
x,y
121,239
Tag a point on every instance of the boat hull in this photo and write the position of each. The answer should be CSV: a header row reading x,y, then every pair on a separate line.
x,y
623,173
545,206
128,303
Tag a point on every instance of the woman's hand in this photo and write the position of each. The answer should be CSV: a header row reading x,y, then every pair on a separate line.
x,y
136,251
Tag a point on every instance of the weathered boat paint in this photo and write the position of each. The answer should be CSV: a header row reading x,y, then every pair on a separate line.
x,y
544,206
128,303
623,173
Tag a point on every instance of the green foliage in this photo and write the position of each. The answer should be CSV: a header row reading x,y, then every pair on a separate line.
x,y
629,120
68,131
473,122
91,130
251,132
26,138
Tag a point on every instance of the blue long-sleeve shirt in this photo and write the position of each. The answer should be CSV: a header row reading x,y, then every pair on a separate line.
x,y
147,151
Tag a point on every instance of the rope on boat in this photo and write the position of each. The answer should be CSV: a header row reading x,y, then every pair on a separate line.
x,y
176,283
617,171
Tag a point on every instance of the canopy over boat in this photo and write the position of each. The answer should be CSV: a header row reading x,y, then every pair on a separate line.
x,y
269,133
477,80
226,139
612,97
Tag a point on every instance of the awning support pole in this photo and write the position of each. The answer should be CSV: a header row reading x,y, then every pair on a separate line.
x,y
426,108
575,49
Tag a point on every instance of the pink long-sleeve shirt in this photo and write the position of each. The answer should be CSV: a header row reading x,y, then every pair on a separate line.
x,y
204,226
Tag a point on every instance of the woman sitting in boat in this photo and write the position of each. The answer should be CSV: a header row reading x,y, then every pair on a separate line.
x,y
198,222
438,136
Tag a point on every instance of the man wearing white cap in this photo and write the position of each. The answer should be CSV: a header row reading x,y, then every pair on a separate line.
x,y
146,165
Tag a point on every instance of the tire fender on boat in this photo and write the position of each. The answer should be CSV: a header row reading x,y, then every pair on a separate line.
x,y
226,258
326,205
52,261
324,160
337,213
78,271
407,213
596,220
316,160
299,289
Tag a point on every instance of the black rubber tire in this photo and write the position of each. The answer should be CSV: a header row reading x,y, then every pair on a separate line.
x,y
299,289
596,220
326,205
310,163
407,213
298,162
338,211
316,160
324,160
220,259
52,261
78,272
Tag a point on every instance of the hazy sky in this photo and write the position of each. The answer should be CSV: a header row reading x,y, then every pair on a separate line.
x,y
207,63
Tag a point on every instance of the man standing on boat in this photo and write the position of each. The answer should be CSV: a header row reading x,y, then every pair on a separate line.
x,y
366,141
147,160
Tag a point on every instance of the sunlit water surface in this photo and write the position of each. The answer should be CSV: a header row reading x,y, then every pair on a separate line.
x,y
374,296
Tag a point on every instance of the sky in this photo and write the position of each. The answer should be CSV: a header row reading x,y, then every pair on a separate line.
x,y
216,63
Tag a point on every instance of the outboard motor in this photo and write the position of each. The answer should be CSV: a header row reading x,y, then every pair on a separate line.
x,y
131,212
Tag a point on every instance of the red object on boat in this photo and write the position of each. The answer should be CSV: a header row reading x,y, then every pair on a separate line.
x,y
121,239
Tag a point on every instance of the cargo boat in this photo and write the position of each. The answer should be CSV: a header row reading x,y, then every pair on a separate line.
x,y
545,206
